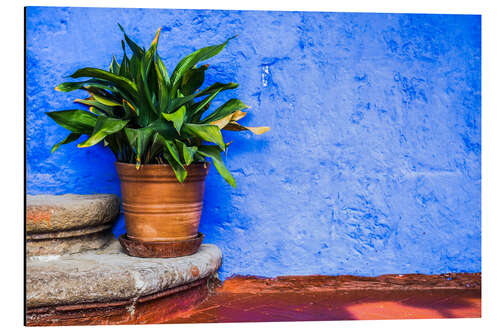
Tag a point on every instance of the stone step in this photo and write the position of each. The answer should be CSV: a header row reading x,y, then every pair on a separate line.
x,y
52,213
96,280
70,223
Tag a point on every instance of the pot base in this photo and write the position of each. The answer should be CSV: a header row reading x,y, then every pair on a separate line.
x,y
160,249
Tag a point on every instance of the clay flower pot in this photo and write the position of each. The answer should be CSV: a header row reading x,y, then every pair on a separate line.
x,y
157,207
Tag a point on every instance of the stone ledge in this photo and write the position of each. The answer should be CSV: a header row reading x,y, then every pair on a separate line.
x,y
54,213
68,242
325,283
110,275
158,308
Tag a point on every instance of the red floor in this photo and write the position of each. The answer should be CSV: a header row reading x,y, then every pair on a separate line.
x,y
245,300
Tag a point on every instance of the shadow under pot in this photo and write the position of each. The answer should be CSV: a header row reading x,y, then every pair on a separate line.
x,y
162,216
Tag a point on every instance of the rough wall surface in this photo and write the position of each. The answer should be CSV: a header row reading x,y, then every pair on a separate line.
x,y
373,161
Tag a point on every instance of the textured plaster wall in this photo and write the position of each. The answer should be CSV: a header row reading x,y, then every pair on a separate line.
x,y
373,162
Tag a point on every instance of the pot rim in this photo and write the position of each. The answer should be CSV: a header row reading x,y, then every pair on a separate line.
x,y
159,166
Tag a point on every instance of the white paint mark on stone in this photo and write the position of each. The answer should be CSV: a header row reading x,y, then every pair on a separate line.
x,y
131,307
44,258
140,284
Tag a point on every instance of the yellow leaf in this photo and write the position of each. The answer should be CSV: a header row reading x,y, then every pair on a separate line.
x,y
155,40
129,105
237,115
234,126
221,123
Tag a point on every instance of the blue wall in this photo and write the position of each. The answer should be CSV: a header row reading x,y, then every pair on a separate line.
x,y
373,161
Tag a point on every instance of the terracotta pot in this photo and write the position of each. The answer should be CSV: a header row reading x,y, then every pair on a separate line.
x,y
156,206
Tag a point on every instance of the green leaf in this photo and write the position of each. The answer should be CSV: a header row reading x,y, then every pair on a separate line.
x,y
225,109
163,70
144,138
144,104
143,86
99,112
77,121
124,70
92,102
104,100
199,158
173,158
93,86
178,102
192,80
121,82
114,67
164,127
180,172
214,153
189,61
70,138
187,152
147,82
177,117
71,86
172,149
104,127
131,134
133,46
157,145
209,133
134,66
150,54
199,107
163,94
139,139
111,142
209,90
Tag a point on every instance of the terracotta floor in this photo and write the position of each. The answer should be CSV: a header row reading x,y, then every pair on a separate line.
x,y
251,300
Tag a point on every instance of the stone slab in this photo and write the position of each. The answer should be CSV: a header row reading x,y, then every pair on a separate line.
x,y
53,213
153,309
110,275
244,284
74,241
69,233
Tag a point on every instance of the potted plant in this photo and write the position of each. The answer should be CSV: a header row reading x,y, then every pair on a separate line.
x,y
161,132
